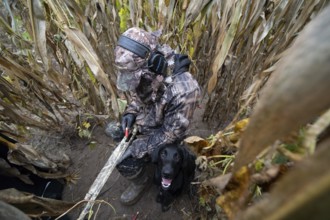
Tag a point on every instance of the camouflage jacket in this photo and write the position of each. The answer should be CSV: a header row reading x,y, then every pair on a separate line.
x,y
166,119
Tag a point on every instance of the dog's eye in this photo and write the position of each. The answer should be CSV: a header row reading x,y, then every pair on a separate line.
x,y
176,158
163,154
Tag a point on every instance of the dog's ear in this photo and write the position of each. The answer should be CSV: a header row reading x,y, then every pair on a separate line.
x,y
155,154
188,157
185,155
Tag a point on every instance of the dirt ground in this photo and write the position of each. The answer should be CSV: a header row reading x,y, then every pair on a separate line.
x,y
88,162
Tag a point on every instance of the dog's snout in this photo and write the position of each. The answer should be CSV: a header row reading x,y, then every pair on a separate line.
x,y
166,172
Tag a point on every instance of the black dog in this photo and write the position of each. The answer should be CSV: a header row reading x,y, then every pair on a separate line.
x,y
174,172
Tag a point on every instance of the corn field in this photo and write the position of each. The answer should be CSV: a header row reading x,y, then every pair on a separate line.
x,y
57,58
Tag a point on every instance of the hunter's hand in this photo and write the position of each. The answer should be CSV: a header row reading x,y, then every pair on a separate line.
x,y
128,121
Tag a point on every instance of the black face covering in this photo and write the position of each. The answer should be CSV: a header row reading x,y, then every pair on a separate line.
x,y
150,89
144,90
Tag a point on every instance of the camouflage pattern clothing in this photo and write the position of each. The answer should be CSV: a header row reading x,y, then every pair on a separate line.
x,y
162,105
167,119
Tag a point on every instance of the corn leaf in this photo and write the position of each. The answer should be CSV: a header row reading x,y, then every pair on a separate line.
x,y
86,51
220,58
294,79
312,193
39,29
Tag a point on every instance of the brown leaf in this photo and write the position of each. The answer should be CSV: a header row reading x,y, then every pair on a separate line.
x,y
193,10
197,144
220,182
241,125
225,46
85,50
212,83
294,79
266,175
302,193
39,29
34,205
236,192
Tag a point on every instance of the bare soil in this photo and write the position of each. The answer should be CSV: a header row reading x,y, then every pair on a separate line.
x,y
89,161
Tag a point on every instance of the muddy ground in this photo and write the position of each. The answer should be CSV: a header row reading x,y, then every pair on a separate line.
x,y
89,161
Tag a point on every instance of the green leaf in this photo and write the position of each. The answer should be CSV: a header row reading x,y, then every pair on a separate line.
x,y
122,105
92,145
259,164
124,17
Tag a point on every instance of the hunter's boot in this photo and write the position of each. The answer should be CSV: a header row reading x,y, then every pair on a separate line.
x,y
136,188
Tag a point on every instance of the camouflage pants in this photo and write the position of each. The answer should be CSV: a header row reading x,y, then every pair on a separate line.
x,y
132,167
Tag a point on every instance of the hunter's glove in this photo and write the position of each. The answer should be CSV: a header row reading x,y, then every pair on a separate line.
x,y
127,121
181,63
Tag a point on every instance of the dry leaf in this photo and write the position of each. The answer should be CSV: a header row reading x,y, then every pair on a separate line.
x,y
197,144
233,198
294,79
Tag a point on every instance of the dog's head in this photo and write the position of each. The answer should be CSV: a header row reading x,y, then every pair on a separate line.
x,y
171,159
